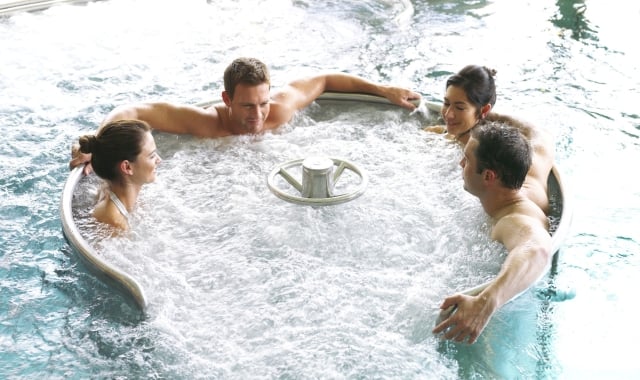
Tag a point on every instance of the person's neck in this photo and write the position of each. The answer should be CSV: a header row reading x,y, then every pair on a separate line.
x,y
126,193
464,136
499,201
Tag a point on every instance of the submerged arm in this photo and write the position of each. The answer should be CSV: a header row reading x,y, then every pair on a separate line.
x,y
529,247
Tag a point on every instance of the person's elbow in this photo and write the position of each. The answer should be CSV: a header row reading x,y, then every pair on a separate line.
x,y
542,255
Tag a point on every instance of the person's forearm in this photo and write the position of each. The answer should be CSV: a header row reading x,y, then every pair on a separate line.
x,y
341,82
348,83
523,267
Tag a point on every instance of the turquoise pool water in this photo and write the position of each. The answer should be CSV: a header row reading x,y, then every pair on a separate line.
x,y
563,64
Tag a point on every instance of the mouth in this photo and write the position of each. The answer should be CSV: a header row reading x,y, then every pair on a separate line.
x,y
255,126
451,126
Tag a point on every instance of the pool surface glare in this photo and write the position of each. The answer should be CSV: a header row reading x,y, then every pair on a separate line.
x,y
321,298
8,7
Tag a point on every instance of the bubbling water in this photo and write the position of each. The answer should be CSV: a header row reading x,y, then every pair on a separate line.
x,y
242,283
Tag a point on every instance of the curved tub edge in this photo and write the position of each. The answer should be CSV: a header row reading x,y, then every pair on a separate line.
x,y
75,239
9,7
354,97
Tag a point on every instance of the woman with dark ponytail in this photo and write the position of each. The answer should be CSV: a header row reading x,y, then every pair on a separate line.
x,y
123,154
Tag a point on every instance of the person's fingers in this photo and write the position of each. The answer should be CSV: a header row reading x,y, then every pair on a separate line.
x,y
473,337
441,327
408,105
73,163
88,169
456,332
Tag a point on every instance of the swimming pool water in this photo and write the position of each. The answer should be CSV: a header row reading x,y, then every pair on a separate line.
x,y
64,68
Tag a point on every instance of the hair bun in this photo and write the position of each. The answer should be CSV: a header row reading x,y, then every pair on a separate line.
x,y
87,143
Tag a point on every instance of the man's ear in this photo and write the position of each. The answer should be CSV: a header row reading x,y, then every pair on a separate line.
x,y
489,175
125,167
226,99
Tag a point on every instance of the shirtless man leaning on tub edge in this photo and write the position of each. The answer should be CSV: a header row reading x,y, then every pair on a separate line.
x,y
248,107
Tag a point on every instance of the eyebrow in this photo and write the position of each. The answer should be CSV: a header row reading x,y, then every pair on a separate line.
x,y
460,102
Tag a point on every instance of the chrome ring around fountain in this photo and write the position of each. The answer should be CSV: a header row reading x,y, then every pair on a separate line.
x,y
318,180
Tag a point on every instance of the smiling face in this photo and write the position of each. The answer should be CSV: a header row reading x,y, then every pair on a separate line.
x,y
459,114
249,107
144,167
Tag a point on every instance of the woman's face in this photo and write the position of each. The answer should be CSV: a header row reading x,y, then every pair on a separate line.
x,y
146,161
459,114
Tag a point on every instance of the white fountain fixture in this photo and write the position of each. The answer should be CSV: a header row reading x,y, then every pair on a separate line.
x,y
319,176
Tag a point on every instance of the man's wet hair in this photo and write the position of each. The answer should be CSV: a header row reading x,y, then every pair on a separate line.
x,y
245,70
503,149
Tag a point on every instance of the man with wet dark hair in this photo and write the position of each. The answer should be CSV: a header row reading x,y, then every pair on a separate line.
x,y
496,162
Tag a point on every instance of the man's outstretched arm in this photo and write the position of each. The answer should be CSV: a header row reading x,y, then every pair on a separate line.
x,y
161,116
302,92
529,247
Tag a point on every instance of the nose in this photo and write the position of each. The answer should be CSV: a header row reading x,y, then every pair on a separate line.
x,y
256,111
447,113
463,162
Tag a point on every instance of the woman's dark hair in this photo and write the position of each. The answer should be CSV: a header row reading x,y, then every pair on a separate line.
x,y
503,149
478,83
115,142
249,71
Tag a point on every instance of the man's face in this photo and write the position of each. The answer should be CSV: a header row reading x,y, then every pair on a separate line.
x,y
249,107
472,179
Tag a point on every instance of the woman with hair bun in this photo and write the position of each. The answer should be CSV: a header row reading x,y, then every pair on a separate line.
x,y
470,95
124,155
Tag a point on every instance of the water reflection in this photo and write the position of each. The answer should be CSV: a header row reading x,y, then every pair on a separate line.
x,y
453,7
570,16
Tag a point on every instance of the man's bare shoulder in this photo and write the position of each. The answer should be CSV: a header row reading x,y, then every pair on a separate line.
x,y
280,113
284,104
198,121
518,216
536,134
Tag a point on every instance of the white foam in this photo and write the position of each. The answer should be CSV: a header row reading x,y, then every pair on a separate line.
x,y
238,277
